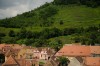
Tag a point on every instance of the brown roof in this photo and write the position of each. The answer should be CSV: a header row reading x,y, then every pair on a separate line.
x,y
74,50
95,49
8,53
27,47
12,52
1,46
21,62
10,61
24,62
92,61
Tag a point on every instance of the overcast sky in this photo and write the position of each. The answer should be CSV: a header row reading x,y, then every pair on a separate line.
x,y
10,8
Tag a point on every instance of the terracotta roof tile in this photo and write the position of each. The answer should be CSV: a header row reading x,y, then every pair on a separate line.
x,y
74,50
95,49
10,61
1,46
92,61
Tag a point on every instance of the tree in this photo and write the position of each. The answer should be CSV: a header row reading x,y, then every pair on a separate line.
x,y
93,38
69,31
56,44
2,35
22,33
63,61
77,39
11,33
9,40
41,63
60,2
48,12
61,22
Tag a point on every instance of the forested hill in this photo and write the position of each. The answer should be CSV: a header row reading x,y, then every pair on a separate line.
x,y
57,11
59,22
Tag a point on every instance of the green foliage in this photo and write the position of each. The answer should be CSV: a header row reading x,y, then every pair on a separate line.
x,y
35,17
56,44
12,33
53,25
61,22
9,40
91,3
2,35
63,61
41,63
48,12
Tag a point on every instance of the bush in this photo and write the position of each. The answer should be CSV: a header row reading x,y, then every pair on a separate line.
x,y
12,33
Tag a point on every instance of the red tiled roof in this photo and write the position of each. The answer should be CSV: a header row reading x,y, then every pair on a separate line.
x,y
1,46
74,50
95,49
92,61
23,62
10,61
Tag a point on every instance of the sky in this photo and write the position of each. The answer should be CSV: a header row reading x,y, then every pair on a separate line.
x,y
10,8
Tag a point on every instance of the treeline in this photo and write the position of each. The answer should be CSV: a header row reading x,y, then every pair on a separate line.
x,y
90,3
38,17
90,35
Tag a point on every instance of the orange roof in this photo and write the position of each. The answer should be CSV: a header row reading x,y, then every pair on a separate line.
x,y
21,62
24,62
74,50
1,46
10,61
92,61
95,49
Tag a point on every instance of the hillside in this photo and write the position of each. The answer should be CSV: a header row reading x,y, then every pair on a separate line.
x,y
81,16
50,24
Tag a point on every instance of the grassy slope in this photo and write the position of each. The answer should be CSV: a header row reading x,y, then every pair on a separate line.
x,y
77,16
72,16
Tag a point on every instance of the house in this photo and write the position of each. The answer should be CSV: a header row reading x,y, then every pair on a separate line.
x,y
92,61
6,47
74,51
12,50
11,61
21,53
95,51
18,55
29,53
45,53
35,53
1,48
81,55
